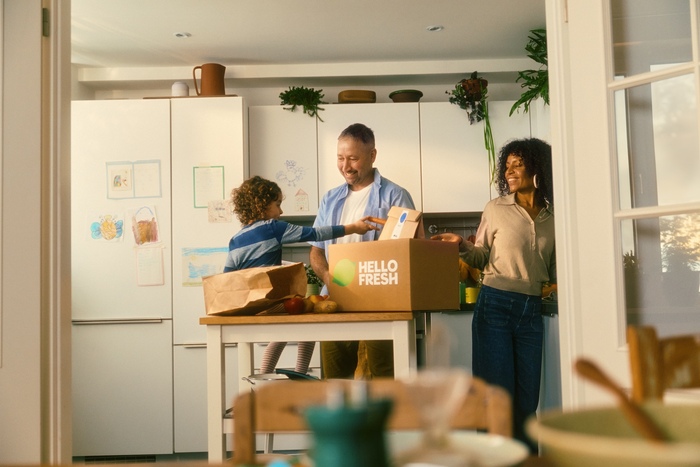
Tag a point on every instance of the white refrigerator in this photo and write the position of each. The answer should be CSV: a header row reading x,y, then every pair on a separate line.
x,y
150,183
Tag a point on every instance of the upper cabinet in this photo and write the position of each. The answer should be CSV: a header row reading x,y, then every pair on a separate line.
x,y
454,160
397,139
283,148
428,148
455,163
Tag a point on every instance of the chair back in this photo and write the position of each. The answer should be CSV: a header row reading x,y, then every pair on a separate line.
x,y
658,364
278,408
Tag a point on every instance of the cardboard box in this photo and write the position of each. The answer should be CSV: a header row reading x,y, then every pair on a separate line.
x,y
395,275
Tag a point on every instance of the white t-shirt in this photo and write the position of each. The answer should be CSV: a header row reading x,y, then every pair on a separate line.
x,y
353,209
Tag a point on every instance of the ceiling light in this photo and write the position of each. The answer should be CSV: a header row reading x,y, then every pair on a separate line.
x,y
435,28
182,35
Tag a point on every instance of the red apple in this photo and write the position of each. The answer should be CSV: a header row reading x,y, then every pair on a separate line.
x,y
294,305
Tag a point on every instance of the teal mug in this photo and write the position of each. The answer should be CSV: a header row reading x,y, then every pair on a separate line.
x,y
350,436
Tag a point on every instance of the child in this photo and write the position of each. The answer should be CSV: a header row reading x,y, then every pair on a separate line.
x,y
259,243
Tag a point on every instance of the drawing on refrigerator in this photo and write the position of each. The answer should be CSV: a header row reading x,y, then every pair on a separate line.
x,y
107,227
200,262
145,225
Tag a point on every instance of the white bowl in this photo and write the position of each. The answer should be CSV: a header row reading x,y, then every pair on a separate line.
x,y
603,437
486,450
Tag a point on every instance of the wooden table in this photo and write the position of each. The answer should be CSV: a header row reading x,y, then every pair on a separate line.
x,y
398,327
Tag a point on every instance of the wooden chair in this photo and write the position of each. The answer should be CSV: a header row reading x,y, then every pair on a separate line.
x,y
278,408
660,364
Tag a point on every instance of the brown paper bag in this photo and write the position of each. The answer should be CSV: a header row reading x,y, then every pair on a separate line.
x,y
251,291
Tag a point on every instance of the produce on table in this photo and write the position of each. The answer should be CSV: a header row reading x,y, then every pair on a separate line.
x,y
294,305
326,306
308,305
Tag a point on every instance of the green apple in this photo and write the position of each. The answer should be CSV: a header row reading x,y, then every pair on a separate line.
x,y
344,272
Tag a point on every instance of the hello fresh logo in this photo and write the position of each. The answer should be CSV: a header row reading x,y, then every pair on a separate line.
x,y
384,272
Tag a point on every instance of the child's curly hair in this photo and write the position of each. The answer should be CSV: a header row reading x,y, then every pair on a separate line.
x,y
251,199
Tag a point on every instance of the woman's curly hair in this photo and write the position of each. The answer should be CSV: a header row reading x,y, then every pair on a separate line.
x,y
537,157
251,199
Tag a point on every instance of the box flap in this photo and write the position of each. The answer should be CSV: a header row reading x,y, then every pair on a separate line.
x,y
403,223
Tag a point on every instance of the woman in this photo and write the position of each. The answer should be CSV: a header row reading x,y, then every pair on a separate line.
x,y
514,247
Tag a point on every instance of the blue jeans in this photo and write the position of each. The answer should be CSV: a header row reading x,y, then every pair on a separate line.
x,y
507,340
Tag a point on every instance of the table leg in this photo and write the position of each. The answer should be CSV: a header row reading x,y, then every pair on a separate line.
x,y
216,395
245,365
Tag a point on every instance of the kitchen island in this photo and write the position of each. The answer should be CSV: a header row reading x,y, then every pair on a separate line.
x,y
244,331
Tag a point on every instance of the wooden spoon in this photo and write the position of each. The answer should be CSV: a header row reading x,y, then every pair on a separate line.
x,y
634,414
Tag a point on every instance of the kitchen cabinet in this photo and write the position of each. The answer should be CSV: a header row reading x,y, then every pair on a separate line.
x,y
190,395
283,148
454,161
397,137
457,326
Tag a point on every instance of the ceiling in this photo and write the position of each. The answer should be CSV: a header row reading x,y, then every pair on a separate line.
x,y
274,38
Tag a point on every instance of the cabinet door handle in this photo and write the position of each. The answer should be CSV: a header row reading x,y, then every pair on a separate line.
x,y
204,346
118,321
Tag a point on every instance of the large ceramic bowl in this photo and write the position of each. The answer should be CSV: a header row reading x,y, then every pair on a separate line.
x,y
406,95
603,437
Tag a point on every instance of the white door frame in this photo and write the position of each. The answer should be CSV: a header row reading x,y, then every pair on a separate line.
x,y
35,225
581,141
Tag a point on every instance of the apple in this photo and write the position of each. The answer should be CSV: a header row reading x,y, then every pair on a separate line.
x,y
294,305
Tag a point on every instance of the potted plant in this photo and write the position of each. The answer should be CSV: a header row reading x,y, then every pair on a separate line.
x,y
308,98
472,95
313,282
535,82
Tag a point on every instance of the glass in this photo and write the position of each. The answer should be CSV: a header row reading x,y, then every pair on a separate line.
x,y
649,33
661,260
657,143
437,394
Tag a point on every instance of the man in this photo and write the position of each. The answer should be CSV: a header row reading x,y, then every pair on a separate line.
x,y
364,193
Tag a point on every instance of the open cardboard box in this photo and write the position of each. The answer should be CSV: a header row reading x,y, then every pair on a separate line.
x,y
397,273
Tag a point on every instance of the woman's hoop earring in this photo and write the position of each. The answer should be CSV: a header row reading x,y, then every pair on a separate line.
x,y
534,181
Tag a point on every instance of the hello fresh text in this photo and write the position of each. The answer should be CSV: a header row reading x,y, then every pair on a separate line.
x,y
378,272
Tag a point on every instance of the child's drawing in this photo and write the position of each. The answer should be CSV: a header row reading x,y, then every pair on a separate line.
x,y
201,262
144,225
291,173
107,227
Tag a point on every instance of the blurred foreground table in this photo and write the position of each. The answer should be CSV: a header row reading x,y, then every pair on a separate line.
x,y
244,331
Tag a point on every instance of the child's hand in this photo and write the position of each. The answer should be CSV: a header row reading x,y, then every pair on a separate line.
x,y
360,226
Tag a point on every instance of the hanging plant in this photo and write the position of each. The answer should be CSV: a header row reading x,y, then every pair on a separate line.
x,y
309,98
472,95
535,82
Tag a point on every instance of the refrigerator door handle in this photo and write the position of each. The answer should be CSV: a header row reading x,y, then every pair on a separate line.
x,y
118,321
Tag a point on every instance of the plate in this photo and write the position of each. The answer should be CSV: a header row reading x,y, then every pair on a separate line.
x,y
488,450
